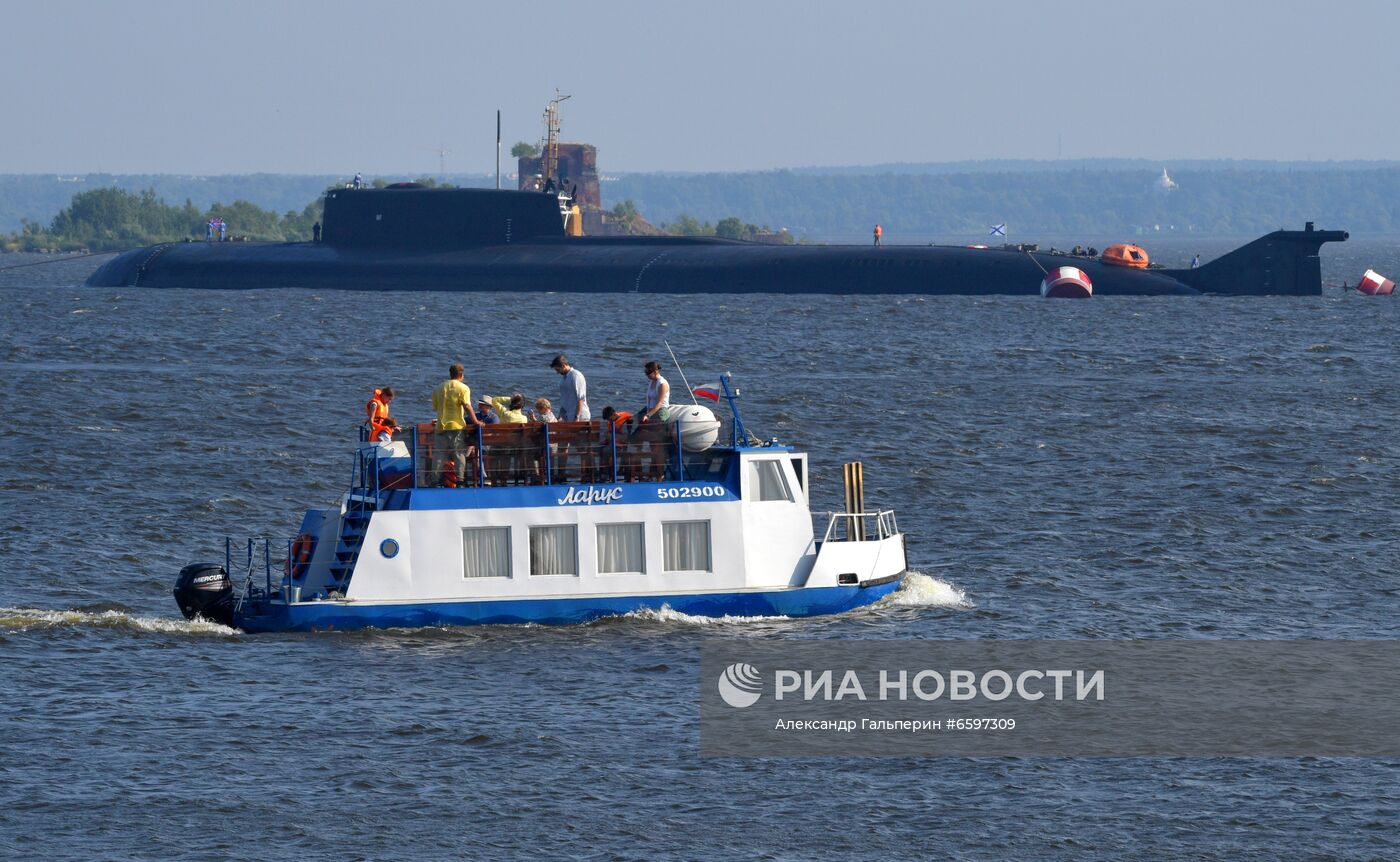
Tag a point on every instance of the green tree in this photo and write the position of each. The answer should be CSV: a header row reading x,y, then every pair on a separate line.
x,y
524,149
625,214
687,225
732,228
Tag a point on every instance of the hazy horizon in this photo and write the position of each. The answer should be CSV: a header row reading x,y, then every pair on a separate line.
x,y
156,87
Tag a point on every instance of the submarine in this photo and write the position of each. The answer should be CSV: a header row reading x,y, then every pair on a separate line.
x,y
409,237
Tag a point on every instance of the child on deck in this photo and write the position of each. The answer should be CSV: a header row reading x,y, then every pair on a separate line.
x,y
543,412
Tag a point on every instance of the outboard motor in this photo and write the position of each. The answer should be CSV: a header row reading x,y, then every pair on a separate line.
x,y
204,589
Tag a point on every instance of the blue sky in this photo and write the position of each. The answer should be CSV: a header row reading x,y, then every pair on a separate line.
x,y
317,87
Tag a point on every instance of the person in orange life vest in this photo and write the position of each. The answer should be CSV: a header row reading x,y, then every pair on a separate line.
x,y
381,425
878,233
616,417
624,432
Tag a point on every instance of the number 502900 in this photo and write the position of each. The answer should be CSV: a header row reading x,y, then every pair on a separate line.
x,y
689,493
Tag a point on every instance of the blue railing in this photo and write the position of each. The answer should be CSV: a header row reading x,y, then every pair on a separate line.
x,y
247,571
507,454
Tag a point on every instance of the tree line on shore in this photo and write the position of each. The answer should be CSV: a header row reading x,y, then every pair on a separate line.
x,y
111,219
1064,202
1067,202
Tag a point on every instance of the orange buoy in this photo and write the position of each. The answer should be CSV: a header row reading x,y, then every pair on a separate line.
x,y
1124,254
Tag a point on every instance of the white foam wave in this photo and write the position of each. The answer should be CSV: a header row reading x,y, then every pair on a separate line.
x,y
667,614
23,619
922,591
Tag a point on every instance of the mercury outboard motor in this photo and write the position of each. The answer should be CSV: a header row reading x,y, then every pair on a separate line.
x,y
204,589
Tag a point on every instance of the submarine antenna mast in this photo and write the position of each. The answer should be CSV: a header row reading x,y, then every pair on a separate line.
x,y
551,124
442,152
498,149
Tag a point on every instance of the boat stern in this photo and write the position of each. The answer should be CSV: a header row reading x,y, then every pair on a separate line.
x,y
864,549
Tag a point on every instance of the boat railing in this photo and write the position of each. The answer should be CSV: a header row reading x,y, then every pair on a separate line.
x,y
513,454
250,558
860,526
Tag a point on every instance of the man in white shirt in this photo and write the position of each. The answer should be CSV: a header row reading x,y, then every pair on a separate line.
x,y
573,391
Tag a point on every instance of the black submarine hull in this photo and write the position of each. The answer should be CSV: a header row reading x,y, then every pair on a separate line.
x,y
479,240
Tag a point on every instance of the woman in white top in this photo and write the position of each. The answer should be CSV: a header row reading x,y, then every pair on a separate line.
x,y
658,393
658,409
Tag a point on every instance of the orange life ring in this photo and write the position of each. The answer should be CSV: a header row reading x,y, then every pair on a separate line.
x,y
302,548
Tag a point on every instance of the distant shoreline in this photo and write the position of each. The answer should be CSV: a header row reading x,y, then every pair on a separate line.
x,y
1037,199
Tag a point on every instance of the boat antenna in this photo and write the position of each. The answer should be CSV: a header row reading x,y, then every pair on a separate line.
x,y
677,363
737,431
498,149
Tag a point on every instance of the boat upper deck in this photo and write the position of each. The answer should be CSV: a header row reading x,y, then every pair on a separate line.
x,y
543,454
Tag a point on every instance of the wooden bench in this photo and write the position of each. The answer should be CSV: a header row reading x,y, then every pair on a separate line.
x,y
514,453
580,452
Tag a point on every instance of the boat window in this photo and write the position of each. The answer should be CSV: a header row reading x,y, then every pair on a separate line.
x,y
797,470
486,552
686,546
554,550
621,549
766,481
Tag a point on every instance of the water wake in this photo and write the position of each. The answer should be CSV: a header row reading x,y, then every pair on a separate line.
x,y
917,591
922,591
25,619
666,614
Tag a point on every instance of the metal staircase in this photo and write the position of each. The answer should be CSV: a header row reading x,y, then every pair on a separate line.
x,y
360,505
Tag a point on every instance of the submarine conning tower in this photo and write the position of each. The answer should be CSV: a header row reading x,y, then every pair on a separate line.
x,y
413,217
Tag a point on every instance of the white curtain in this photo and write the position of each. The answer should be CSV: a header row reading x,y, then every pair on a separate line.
x,y
767,482
621,548
686,546
554,550
486,552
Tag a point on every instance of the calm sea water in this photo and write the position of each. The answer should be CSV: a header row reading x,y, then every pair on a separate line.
x,y
1151,468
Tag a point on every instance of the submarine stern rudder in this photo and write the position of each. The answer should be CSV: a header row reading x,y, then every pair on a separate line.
x,y
1282,263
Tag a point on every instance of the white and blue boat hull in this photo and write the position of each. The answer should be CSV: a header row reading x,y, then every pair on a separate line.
x,y
350,616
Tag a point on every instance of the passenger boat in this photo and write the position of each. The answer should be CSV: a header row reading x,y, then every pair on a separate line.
x,y
560,523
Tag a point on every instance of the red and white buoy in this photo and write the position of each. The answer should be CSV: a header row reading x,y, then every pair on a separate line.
x,y
1066,282
1375,284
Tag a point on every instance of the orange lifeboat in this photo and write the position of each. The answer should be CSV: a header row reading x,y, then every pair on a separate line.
x,y
1124,254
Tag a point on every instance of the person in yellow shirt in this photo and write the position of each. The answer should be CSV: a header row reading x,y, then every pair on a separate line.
x,y
452,403
511,408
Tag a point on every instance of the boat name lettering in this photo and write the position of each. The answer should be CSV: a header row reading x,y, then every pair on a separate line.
x,y
685,493
590,495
